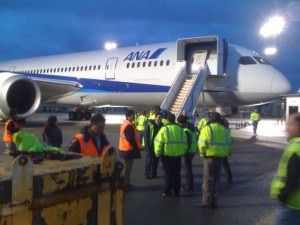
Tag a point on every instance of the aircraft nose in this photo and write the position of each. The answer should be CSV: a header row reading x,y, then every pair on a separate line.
x,y
280,85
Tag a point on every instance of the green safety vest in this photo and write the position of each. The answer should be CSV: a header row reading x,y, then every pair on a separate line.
x,y
27,141
170,141
214,141
255,116
193,147
202,123
141,122
280,179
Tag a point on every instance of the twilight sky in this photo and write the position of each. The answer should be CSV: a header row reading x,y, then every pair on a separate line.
x,y
31,28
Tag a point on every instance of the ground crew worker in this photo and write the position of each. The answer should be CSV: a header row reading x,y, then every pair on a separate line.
x,y
285,186
129,147
153,112
203,121
189,155
151,161
226,165
164,116
11,126
170,144
136,117
141,124
91,140
255,117
214,144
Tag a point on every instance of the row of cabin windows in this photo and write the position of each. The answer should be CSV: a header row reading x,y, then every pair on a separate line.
x,y
144,64
66,69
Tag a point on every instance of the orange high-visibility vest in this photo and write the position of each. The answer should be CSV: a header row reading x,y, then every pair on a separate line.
x,y
7,135
124,144
89,148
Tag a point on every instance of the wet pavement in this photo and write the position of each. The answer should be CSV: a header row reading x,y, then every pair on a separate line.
x,y
244,202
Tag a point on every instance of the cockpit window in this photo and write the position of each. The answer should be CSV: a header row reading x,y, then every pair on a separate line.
x,y
247,60
261,60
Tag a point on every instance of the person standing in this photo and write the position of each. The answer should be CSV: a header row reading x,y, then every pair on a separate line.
x,y
189,155
255,118
285,187
91,140
151,161
170,144
52,134
226,165
203,121
129,147
11,126
141,124
214,144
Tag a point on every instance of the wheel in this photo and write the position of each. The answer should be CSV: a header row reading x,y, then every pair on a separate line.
x,y
87,115
72,115
79,115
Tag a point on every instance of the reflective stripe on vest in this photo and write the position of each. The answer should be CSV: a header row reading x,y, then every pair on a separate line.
x,y
213,142
7,136
124,144
89,148
280,180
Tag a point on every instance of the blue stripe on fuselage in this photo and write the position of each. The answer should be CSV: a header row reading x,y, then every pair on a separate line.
x,y
94,85
157,53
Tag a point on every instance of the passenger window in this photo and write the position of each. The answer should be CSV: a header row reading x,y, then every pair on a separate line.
x,y
66,69
247,60
261,60
99,67
54,70
168,62
81,68
133,64
85,68
155,63
149,64
161,63
77,68
73,68
138,64
144,64
95,67
51,71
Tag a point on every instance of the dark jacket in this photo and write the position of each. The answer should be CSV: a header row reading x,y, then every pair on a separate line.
x,y
53,138
149,137
74,145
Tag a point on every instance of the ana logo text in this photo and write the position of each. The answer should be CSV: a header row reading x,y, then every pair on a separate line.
x,y
144,55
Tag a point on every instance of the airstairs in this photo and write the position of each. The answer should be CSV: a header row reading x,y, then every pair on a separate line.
x,y
185,92
198,58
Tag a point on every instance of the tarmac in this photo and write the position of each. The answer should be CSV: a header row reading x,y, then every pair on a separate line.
x,y
246,201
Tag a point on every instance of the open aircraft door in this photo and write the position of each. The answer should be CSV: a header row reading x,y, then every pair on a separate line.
x,y
110,68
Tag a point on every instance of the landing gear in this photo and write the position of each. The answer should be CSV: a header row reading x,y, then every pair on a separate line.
x,y
79,115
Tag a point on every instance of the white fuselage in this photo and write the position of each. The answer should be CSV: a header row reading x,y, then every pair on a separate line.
x,y
142,75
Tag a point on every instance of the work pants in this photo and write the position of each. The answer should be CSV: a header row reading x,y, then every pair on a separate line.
x,y
10,147
211,180
286,216
188,158
254,124
172,166
126,173
151,164
227,170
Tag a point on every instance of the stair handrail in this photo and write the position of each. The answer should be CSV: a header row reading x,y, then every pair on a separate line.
x,y
202,74
175,87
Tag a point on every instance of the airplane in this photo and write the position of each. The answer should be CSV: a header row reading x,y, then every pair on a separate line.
x,y
139,76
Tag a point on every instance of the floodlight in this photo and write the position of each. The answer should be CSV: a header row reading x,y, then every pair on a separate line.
x,y
110,45
270,51
273,26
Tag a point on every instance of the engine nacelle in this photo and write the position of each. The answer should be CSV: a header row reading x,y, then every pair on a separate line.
x,y
20,93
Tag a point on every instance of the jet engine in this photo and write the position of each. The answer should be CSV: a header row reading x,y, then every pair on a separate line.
x,y
20,93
